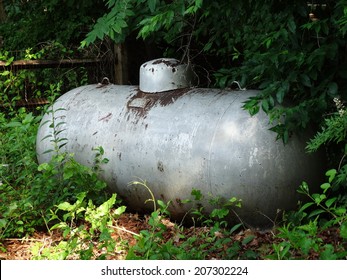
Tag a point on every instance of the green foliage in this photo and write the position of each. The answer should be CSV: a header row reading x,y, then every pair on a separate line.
x,y
42,21
148,17
333,136
219,215
29,190
334,130
294,59
148,244
39,83
17,168
304,230
327,205
151,243
113,23
80,240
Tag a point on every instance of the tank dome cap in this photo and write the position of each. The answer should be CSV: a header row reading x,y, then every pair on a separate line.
x,y
165,74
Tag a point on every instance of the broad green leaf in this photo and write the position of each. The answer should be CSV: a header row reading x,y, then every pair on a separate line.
x,y
120,210
330,201
197,194
316,212
65,206
328,253
43,166
14,124
5,73
220,213
331,174
68,173
117,28
247,239
343,230
280,95
305,206
9,61
234,228
340,211
265,105
291,25
332,88
325,187
152,5
3,223
305,80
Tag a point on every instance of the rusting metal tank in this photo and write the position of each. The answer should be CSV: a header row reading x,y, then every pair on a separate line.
x,y
181,139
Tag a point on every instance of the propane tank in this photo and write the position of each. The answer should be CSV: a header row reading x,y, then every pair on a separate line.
x,y
176,138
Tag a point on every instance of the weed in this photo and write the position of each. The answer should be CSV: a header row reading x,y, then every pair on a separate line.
x,y
80,241
29,190
304,230
214,238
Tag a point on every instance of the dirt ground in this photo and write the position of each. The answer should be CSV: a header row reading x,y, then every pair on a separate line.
x,y
128,225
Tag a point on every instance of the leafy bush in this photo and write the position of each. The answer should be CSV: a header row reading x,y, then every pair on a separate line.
x,y
325,212
30,23
303,233
29,190
17,171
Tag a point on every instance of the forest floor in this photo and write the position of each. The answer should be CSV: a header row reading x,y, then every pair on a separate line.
x,y
128,225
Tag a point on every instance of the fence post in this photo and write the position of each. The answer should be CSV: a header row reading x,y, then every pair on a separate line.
x,y
121,64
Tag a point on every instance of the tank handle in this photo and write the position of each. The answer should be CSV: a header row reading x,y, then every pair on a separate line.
x,y
104,82
238,84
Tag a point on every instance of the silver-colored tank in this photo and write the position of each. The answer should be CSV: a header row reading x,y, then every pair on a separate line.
x,y
183,139
177,138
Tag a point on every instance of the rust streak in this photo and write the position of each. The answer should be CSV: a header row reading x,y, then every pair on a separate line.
x,y
161,98
106,118
166,62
